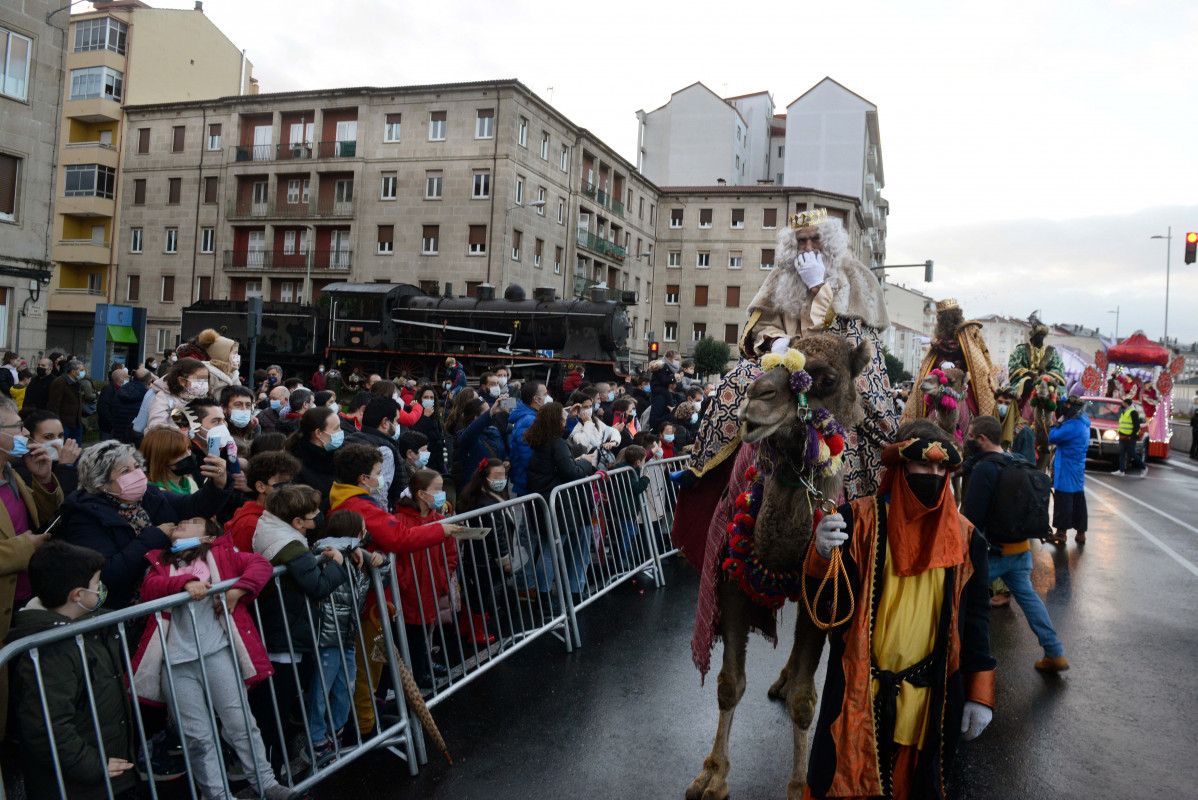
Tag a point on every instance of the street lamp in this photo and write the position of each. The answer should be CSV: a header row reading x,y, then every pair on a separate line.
x,y
503,260
1116,313
1168,237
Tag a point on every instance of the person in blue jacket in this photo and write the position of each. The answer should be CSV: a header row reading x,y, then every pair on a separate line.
x,y
119,515
533,395
1071,435
478,435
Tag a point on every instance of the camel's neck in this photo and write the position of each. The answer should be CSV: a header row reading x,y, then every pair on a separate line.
x,y
784,525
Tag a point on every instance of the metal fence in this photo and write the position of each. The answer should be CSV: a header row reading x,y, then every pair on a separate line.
x,y
663,494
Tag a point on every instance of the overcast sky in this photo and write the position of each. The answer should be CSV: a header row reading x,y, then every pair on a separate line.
x,y
1030,148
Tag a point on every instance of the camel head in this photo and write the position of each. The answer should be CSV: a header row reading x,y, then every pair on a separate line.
x,y
939,379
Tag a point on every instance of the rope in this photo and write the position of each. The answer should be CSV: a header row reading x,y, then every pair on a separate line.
x,y
836,569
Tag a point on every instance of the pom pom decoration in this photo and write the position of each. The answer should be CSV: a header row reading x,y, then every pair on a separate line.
x,y
763,586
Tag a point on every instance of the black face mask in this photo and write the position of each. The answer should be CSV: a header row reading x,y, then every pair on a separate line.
x,y
41,372
317,522
185,465
926,487
971,446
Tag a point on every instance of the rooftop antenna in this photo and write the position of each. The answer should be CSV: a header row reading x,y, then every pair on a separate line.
x,y
550,91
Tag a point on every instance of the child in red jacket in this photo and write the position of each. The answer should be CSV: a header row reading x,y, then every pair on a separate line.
x,y
231,654
263,472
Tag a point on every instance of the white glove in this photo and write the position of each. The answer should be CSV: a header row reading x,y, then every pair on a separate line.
x,y
811,268
830,533
780,345
974,719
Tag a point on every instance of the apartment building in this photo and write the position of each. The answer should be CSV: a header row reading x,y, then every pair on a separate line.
x,y
717,245
448,187
119,54
31,64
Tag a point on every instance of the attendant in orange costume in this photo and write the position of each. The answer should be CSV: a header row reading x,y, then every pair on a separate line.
x,y
910,672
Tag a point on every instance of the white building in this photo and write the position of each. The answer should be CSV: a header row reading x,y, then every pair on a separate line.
x,y
905,344
833,144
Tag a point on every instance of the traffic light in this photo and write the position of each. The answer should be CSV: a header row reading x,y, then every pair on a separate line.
x,y
1191,247
652,349
927,271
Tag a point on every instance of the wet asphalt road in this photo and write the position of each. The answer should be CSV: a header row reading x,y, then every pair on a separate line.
x,y
625,715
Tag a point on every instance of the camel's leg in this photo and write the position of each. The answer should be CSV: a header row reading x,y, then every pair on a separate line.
x,y
712,783
801,697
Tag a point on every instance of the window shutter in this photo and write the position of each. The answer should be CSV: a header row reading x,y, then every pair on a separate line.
x,y
214,129
176,189
730,333
134,288
180,133
386,234
438,116
486,113
770,218
394,119
540,248
738,215
434,232
676,216
478,234
205,291
733,298
8,184
143,140
139,192
671,288
168,289
700,295
704,216
210,190
767,256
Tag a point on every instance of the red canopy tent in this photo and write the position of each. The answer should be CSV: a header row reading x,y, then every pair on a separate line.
x,y
1138,349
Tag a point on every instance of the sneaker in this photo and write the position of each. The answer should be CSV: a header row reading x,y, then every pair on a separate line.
x,y
1055,664
1144,474
326,753
164,765
1119,473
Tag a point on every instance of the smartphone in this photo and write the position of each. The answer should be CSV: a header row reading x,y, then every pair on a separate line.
x,y
508,403
214,445
618,418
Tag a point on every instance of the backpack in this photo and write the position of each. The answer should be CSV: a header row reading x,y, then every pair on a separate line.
x,y
1019,508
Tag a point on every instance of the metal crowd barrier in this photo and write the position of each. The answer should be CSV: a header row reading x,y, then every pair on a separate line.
x,y
298,755
662,499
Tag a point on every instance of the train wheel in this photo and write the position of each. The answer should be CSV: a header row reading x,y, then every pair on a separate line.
x,y
401,365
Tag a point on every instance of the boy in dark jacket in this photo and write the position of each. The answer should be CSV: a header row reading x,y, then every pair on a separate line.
x,y
66,583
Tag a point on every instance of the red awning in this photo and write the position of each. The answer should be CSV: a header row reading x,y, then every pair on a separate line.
x,y
1138,349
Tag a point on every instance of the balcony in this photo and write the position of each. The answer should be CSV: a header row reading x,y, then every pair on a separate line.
x,y
617,208
297,151
81,251
873,158
85,206
337,149
258,260
254,152
89,153
76,300
601,245
94,109
871,186
324,209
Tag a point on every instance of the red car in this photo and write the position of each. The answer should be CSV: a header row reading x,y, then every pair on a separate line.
x,y
1104,428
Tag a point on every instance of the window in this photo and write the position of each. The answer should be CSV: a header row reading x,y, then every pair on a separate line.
x,y
478,240
436,126
769,218
675,217
93,82
484,126
386,240
704,217
628,204
15,51
565,158
168,289
9,175
700,295
172,240
167,342
519,190
557,261
734,259
541,200
431,240
767,258
288,243
100,34
537,252
143,141
432,184
561,211
738,219
545,145
674,259
731,333
738,133
732,297
738,159
139,191
781,150
90,180
214,137
703,260
391,128
178,138
293,190
640,212
135,240
95,283
482,184
253,289
669,331
207,240
522,132
204,288
652,215
671,294
387,192
210,189
132,288
517,240
699,331
174,190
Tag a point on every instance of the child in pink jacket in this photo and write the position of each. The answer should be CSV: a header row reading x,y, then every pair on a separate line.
x,y
231,654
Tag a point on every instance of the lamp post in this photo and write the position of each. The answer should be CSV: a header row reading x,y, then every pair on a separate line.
x,y
1116,313
1168,237
503,260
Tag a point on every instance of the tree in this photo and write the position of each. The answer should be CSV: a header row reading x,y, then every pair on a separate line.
x,y
711,356
894,368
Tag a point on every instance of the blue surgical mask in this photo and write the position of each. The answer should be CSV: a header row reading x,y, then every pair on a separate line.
x,y
498,486
422,458
428,403
276,405
395,434
611,396
20,446
240,417
694,418
336,440
438,499
667,438
179,545
82,374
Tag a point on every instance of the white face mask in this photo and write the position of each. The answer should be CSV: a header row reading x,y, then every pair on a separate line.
x,y
502,381
51,449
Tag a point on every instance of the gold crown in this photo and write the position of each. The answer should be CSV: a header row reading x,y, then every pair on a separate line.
x,y
945,305
817,216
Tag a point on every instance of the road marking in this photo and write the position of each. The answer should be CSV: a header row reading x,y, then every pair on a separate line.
x,y
1169,551
1180,465
1134,499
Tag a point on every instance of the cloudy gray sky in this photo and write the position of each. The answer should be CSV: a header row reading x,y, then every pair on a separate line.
x,y
1030,148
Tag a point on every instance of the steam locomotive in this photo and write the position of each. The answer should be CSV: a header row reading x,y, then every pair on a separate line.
x,y
394,329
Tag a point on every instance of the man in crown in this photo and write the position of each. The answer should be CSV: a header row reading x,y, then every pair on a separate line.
x,y
817,286
1031,362
962,344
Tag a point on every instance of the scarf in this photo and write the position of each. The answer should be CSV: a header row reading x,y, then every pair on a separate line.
x,y
132,513
921,538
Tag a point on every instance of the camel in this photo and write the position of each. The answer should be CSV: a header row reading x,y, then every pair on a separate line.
x,y
773,420
943,391
1044,402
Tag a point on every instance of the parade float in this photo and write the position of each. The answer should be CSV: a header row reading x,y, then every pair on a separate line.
x,y
1140,369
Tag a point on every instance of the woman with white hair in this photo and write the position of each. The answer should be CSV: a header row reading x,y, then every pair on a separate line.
x,y
119,515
